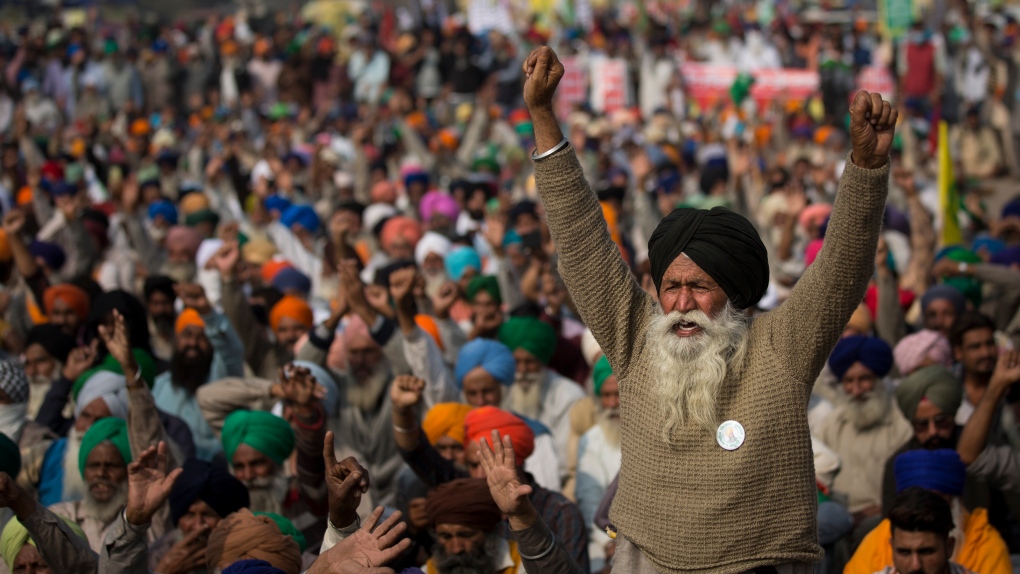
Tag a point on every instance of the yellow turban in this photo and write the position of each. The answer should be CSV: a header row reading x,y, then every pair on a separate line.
x,y
15,537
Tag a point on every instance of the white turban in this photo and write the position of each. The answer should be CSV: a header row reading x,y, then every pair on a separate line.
x,y
110,387
431,242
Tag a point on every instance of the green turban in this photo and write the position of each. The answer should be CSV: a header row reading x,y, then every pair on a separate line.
x,y
935,383
286,527
601,372
530,334
202,216
15,537
486,283
264,432
107,429
146,364
969,286
10,456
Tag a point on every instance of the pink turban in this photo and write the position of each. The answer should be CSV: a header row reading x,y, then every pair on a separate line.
x,y
811,253
814,215
435,202
187,238
384,192
356,328
912,350
400,227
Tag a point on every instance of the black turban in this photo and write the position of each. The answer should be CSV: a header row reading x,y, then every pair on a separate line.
x,y
724,244
213,486
52,338
160,284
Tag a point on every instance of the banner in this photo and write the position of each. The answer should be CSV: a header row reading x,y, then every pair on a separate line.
x,y
610,85
949,199
709,84
573,88
876,79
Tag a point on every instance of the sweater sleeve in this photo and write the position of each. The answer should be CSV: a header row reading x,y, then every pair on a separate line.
x,y
803,330
60,547
589,262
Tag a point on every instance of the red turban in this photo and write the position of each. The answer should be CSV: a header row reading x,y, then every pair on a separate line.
x,y
292,308
464,502
400,227
480,423
75,297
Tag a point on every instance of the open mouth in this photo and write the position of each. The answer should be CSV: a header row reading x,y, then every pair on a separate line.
x,y
686,329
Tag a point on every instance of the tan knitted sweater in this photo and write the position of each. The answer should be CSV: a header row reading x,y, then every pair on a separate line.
x,y
695,507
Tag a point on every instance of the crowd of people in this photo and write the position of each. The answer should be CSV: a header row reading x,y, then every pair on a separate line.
x,y
385,294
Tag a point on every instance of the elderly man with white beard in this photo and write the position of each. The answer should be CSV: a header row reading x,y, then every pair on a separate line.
x,y
866,428
717,466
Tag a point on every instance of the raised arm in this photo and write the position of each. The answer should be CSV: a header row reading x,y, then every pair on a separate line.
x,y
974,437
589,262
820,305
421,352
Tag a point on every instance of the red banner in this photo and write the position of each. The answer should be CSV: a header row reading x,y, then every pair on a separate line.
x,y
709,84
573,88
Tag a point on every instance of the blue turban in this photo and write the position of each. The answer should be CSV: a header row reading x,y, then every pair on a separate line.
x,y
416,177
163,208
872,351
302,215
989,244
944,292
1007,256
276,203
939,470
1011,209
460,259
51,253
326,380
490,355
290,279
252,566
200,480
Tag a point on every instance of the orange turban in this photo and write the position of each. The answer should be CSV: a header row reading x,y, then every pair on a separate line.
x,y
244,536
188,318
193,203
271,268
428,324
479,424
384,192
24,196
5,247
75,297
399,227
446,419
292,308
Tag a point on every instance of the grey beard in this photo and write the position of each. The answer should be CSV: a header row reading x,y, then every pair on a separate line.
x,y
481,561
865,414
105,512
526,394
610,425
268,492
74,484
180,272
689,371
364,394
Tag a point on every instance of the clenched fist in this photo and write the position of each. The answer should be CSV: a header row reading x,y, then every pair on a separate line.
x,y
872,122
543,71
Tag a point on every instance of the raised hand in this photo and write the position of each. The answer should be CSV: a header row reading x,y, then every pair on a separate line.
x,y
495,230
510,494
378,298
1007,369
372,546
444,299
148,484
226,259
80,360
904,178
406,392
193,295
872,122
346,482
130,194
401,283
14,497
299,388
14,222
543,71
118,343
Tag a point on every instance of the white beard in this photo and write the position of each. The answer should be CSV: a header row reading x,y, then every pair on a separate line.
x,y
865,414
268,493
38,387
689,371
609,422
526,394
434,282
74,484
365,394
105,512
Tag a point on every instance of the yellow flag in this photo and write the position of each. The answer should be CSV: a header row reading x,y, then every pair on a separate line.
x,y
949,199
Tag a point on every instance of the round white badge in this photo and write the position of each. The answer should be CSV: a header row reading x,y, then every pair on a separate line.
x,y
730,435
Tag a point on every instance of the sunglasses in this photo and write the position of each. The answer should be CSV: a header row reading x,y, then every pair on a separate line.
x,y
941,422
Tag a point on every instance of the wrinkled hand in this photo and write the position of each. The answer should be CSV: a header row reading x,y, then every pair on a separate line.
x,y
401,283
300,389
226,259
510,494
14,222
406,392
373,546
148,484
352,286
118,343
193,296
872,123
543,71
80,360
1007,369
444,299
186,555
14,497
378,298
346,482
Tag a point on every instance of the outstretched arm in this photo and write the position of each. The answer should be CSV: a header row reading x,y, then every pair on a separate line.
x,y
608,298
821,304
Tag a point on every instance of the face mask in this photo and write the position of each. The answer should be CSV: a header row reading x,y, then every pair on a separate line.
x,y
12,419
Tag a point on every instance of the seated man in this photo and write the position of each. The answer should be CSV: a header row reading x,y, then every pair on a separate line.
x,y
202,496
46,351
976,545
865,428
920,522
464,519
